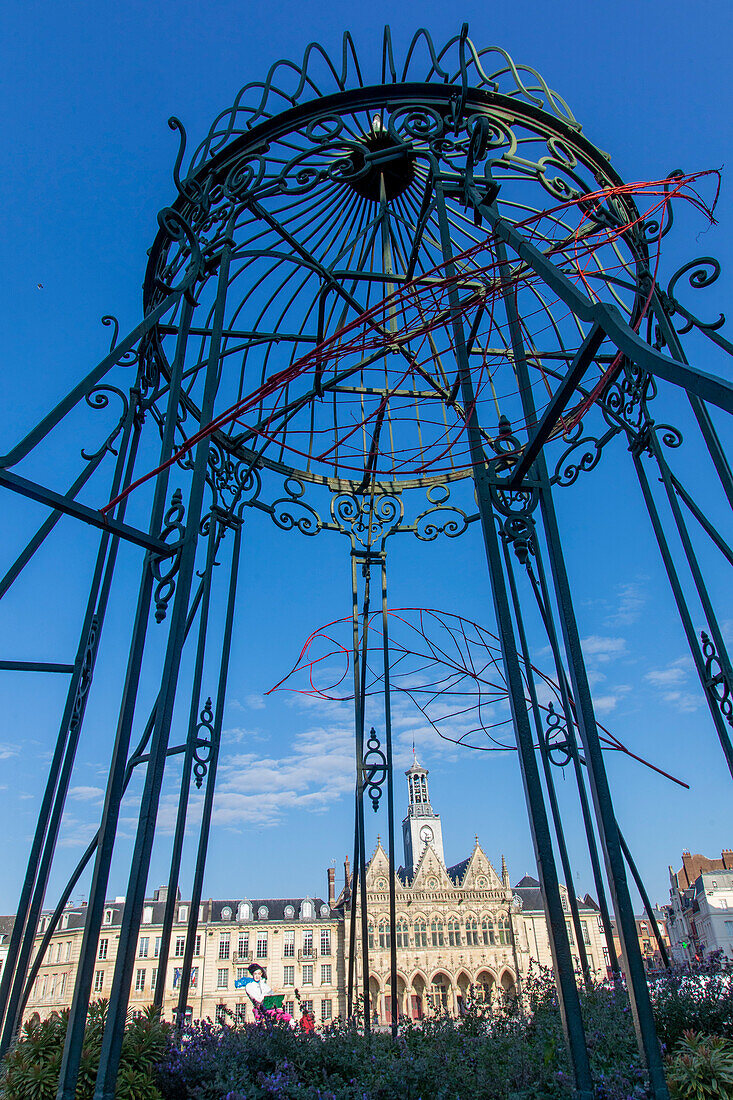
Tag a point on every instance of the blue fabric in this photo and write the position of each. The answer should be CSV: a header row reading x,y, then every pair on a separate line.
x,y
240,983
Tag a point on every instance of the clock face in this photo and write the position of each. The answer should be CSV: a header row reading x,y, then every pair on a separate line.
x,y
426,834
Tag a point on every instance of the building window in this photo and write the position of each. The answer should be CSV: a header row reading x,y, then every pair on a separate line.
x,y
483,989
288,975
436,932
586,935
197,950
143,947
505,935
262,945
224,945
102,951
326,974
289,1007
308,974
472,932
570,933
107,917
729,928
194,977
402,937
153,977
222,978
370,931
263,912
148,914
139,981
63,985
68,951
384,936
289,944
156,950
44,987
454,932
606,957
440,995
564,900
325,941
98,981
326,1009
182,914
487,931
308,941
243,945
307,1006
180,947
240,1013
178,973
221,1014
226,913
421,933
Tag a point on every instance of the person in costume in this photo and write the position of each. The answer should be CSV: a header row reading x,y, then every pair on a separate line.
x,y
264,1001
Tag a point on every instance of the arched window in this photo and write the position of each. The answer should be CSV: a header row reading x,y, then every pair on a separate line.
x,y
402,937
436,932
384,936
421,933
245,911
370,927
504,932
472,932
487,930
454,932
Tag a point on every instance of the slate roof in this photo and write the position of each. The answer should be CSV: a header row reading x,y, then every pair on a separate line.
x,y
528,889
458,870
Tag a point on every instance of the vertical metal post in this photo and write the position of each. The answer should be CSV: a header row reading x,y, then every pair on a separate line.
x,y
636,978
645,899
390,808
351,887
205,828
568,998
359,680
547,767
699,408
118,765
137,882
49,819
682,608
185,787
543,601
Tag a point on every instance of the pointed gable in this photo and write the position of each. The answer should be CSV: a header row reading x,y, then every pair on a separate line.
x,y
430,868
479,873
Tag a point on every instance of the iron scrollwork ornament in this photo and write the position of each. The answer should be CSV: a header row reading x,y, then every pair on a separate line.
x,y
203,744
716,681
557,742
375,768
166,578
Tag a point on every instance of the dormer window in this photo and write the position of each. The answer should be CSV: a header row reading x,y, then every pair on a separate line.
x,y
289,912
108,916
226,913
263,912
306,910
182,914
245,911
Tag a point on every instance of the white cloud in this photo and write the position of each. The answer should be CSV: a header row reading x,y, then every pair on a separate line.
x,y
684,701
6,751
604,704
603,648
254,702
631,598
86,794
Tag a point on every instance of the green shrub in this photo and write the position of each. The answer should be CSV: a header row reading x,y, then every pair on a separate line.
x,y
31,1070
696,998
702,1068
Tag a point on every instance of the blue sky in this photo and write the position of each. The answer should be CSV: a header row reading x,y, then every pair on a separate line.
x,y
85,94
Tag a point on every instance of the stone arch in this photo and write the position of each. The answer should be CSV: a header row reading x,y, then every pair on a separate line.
x,y
485,985
402,997
417,993
463,990
440,994
375,998
508,986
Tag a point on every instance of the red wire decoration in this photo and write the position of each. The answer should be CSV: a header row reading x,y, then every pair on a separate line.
x,y
396,349
449,667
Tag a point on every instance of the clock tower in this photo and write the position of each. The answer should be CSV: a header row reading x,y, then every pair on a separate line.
x,y
422,825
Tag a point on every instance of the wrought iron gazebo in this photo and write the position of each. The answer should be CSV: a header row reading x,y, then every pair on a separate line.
x,y
416,302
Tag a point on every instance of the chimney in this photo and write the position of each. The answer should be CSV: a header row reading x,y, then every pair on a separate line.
x,y
347,875
331,886
727,857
